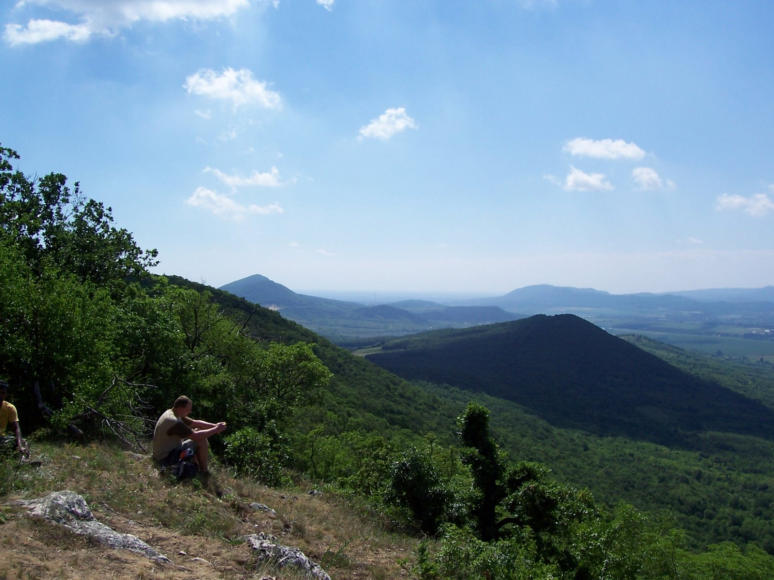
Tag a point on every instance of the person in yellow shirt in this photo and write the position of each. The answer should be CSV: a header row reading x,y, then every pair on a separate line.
x,y
10,418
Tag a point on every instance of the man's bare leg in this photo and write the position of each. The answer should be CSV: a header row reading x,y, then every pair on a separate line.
x,y
202,455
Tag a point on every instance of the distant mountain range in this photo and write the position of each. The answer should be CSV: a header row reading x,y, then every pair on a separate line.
x,y
341,320
544,299
576,375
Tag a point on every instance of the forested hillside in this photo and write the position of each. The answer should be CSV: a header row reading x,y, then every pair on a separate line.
x,y
95,347
576,375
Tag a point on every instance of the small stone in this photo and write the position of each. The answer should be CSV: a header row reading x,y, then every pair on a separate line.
x,y
259,507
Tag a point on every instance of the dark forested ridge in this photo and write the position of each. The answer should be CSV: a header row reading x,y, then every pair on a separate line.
x,y
576,375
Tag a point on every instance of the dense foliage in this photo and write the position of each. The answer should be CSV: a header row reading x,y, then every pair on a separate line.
x,y
93,344
576,375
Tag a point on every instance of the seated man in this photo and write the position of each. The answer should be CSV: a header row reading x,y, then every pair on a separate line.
x,y
176,432
10,418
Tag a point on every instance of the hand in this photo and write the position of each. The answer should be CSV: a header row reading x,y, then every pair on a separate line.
x,y
221,426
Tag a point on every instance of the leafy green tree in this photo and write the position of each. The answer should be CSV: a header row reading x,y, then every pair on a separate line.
x,y
49,221
416,484
487,466
65,267
261,455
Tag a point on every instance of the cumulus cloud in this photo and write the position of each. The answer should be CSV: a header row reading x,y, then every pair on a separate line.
x,y
256,179
324,252
327,4
237,86
389,123
44,31
603,148
225,207
578,180
757,205
647,178
106,17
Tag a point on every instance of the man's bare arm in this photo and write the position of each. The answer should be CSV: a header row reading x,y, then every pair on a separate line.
x,y
202,434
17,432
199,424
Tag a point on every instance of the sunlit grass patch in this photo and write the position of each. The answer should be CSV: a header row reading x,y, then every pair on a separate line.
x,y
200,525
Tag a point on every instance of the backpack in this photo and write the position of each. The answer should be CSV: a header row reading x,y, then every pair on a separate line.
x,y
186,467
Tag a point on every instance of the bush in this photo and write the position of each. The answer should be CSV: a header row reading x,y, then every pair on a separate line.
x,y
462,555
260,455
416,485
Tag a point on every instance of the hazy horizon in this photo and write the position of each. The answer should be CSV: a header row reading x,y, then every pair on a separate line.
x,y
380,296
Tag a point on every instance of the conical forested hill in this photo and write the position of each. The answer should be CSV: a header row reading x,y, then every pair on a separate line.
x,y
574,374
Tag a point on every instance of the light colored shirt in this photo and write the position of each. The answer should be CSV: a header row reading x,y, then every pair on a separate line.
x,y
168,434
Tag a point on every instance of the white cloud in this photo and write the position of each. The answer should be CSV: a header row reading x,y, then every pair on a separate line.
x,y
206,115
757,205
647,178
603,149
324,252
225,207
105,17
327,4
267,179
577,180
237,86
389,123
44,31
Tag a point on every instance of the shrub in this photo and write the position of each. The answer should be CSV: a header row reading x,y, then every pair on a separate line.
x,y
261,455
416,485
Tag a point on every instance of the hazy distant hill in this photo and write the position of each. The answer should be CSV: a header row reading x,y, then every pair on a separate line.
x,y
737,295
547,299
261,290
543,299
574,374
338,319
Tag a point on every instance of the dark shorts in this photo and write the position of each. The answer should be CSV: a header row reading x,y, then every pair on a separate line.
x,y
186,449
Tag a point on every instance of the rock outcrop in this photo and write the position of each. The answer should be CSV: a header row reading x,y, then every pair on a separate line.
x,y
268,550
70,510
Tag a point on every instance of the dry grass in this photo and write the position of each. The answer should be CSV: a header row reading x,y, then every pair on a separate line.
x,y
200,527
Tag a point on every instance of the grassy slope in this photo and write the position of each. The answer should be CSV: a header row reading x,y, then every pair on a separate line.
x,y
200,528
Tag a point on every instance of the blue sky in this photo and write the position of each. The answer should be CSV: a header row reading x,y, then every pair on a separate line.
x,y
414,145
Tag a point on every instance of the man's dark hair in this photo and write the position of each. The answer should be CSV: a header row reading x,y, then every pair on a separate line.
x,y
181,401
